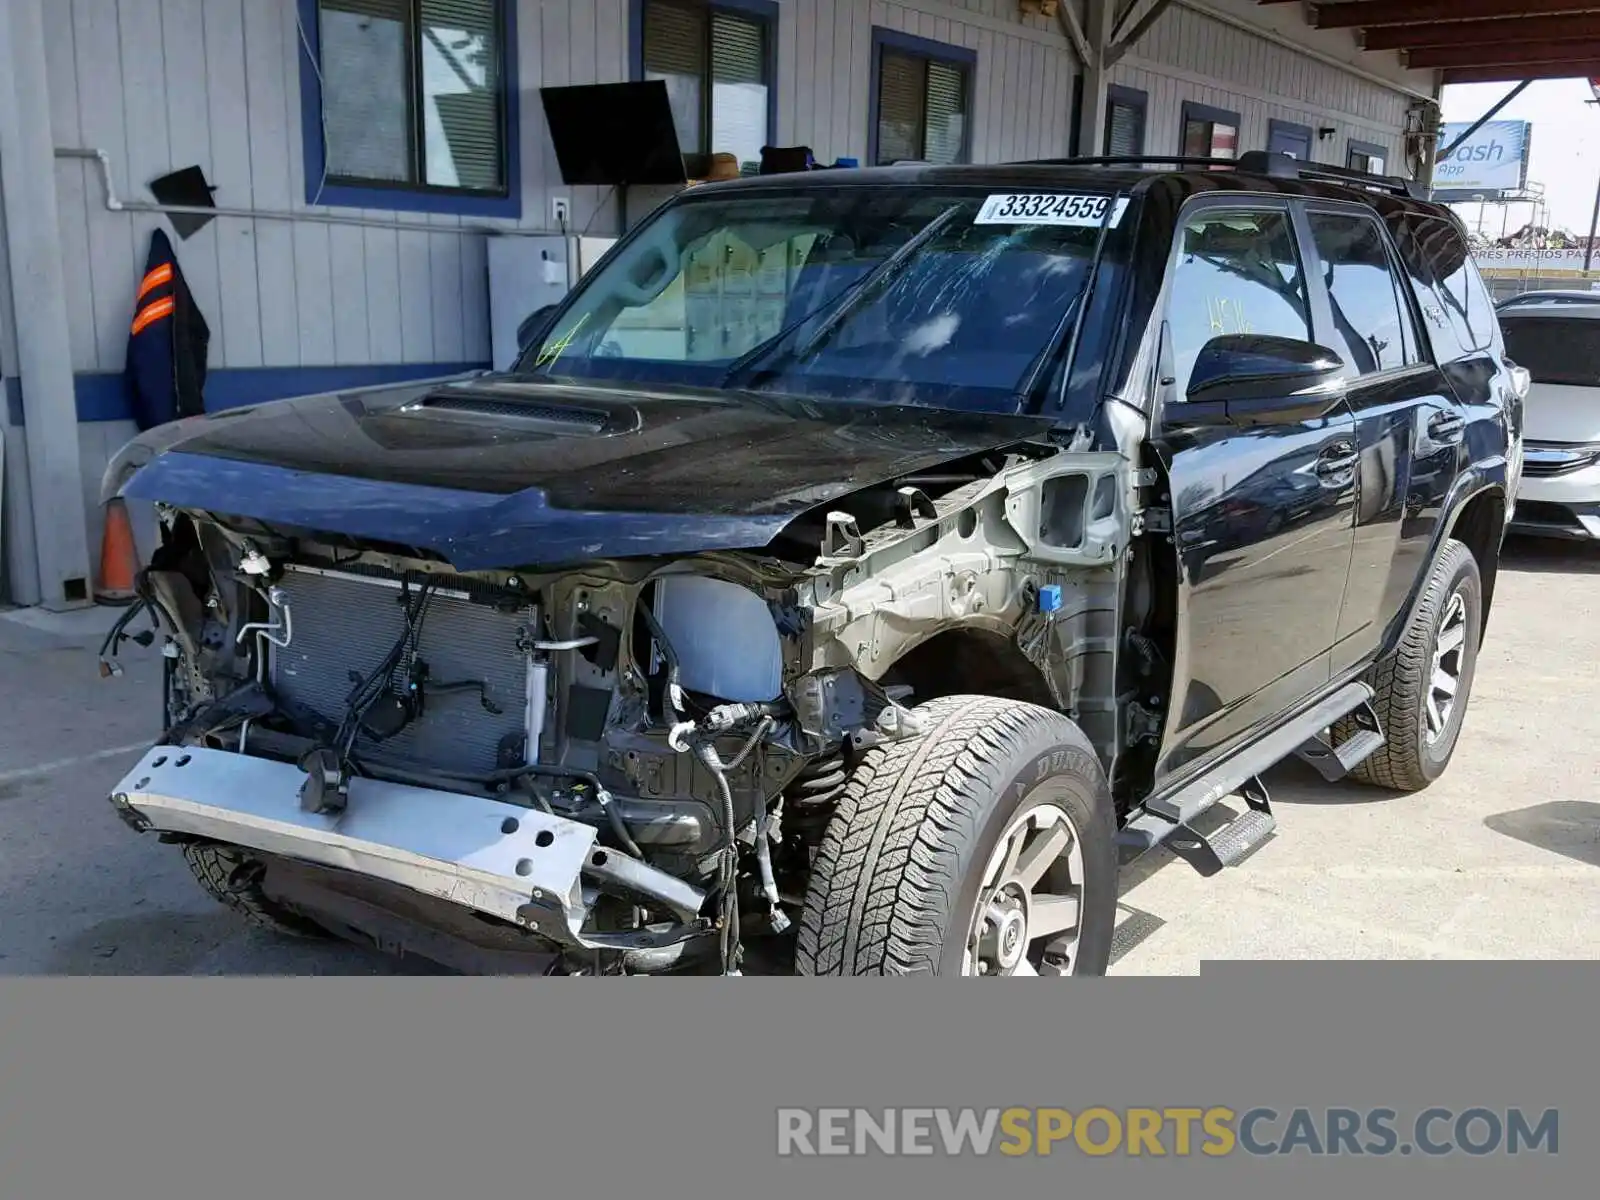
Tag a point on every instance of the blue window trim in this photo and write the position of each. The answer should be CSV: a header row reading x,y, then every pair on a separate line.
x,y
765,11
1274,126
400,199
1129,98
959,56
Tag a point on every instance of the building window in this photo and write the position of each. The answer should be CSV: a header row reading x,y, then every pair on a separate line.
x,y
1125,112
1365,156
717,62
406,104
1286,137
921,99
1209,132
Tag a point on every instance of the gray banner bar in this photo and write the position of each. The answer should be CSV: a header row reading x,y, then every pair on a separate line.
x,y
447,1087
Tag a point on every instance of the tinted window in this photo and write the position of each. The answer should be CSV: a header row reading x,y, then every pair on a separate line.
x,y
1458,289
1555,350
1480,305
1371,327
1456,306
1237,272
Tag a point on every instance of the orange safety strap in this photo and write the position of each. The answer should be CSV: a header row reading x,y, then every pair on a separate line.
x,y
152,312
154,279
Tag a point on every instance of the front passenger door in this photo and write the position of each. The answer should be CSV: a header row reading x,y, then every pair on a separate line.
x,y
1262,516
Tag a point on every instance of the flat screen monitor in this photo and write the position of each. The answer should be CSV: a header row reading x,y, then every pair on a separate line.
x,y
614,134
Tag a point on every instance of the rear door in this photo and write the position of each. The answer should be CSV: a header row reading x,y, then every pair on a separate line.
x,y
1262,516
1409,426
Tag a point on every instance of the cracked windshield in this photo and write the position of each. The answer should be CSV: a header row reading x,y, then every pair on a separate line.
x,y
919,296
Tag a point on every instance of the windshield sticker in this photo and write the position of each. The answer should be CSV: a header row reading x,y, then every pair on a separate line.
x,y
1035,208
550,351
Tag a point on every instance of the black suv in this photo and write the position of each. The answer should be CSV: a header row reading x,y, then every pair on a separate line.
x,y
853,568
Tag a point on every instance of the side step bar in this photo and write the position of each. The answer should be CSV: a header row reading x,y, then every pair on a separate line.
x,y
1163,816
1332,762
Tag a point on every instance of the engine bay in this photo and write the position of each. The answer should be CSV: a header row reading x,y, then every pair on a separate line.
x,y
700,713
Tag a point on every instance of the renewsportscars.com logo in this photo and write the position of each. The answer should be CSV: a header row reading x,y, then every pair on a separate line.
x,y
1165,1132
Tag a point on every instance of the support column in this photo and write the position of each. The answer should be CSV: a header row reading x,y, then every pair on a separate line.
x,y
1092,108
39,304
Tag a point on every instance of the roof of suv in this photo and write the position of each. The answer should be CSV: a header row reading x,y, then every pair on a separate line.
x,y
1255,171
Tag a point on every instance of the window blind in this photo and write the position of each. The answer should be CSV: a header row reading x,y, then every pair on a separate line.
x,y
902,82
365,66
738,49
946,113
738,86
1125,130
675,51
674,39
461,93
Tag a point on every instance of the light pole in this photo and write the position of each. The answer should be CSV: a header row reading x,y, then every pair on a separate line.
x,y
1594,220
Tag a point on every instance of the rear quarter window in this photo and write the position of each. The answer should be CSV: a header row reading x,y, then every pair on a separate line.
x,y
1559,350
1459,310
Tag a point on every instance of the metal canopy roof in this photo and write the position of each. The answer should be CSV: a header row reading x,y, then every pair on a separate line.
x,y
1473,41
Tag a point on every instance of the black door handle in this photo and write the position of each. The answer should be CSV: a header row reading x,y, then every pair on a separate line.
x,y
1446,426
1336,459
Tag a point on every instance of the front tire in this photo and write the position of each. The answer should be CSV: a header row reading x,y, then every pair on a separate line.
x,y
985,846
232,876
1423,686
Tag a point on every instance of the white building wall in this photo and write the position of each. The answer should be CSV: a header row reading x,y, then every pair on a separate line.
x,y
1190,55
162,84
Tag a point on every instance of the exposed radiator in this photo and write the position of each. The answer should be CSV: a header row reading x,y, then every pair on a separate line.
x,y
346,624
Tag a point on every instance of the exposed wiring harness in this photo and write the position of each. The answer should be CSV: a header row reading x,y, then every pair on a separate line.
x,y
367,692
699,737
328,768
118,634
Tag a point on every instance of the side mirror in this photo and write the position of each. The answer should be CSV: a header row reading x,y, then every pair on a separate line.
x,y
1247,379
535,325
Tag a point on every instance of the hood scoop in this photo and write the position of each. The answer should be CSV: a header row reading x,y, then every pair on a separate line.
x,y
524,414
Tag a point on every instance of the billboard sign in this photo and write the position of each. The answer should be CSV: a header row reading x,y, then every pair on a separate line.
x,y
1504,263
1493,160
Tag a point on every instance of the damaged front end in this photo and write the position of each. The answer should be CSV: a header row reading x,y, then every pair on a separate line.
x,y
624,765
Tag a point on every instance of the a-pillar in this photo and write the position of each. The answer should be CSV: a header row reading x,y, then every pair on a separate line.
x,y
59,574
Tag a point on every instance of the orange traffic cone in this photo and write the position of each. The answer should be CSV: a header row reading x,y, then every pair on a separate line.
x,y
119,558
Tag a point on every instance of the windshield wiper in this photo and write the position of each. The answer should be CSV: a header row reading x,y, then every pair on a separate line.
x,y
769,355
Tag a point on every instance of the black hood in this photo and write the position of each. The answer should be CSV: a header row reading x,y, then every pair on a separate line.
x,y
498,472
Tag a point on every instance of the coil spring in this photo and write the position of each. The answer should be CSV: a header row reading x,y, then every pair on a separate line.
x,y
810,798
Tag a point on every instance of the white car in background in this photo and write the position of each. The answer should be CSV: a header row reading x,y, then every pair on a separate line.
x,y
1558,342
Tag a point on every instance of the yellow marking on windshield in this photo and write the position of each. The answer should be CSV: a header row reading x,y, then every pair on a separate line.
x,y
550,351
1225,311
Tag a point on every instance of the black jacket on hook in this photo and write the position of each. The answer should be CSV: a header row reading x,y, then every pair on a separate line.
x,y
167,343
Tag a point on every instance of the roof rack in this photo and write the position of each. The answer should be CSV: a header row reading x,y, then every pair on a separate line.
x,y
1255,162
1286,166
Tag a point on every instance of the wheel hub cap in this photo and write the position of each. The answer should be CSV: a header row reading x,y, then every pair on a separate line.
x,y
1449,655
1026,918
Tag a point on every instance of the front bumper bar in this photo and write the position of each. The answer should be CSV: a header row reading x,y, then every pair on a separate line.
x,y
1539,517
519,864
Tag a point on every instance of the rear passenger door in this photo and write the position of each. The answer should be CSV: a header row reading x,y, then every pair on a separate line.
x,y
1409,427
